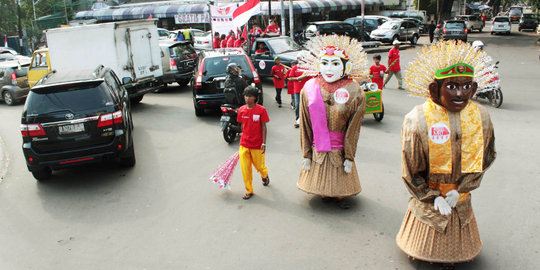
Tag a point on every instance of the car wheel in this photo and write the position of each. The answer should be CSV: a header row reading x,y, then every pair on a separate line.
x,y
491,33
136,100
8,98
42,174
414,39
129,159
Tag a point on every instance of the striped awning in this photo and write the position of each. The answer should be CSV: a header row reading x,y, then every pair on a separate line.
x,y
119,13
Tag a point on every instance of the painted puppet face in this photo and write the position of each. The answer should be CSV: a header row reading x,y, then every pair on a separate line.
x,y
331,68
456,92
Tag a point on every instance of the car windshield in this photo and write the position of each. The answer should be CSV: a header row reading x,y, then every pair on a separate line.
x,y
282,45
455,25
390,26
217,65
514,12
79,97
502,19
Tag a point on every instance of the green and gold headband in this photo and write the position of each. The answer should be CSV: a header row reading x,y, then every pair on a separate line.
x,y
459,69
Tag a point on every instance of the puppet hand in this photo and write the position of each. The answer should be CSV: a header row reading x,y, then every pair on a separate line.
x,y
347,166
452,197
306,164
441,205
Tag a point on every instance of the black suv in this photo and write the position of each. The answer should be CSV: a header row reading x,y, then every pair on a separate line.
x,y
13,82
333,28
73,118
528,21
209,81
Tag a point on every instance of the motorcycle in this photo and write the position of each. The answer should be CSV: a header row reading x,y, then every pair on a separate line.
x,y
229,126
374,104
494,95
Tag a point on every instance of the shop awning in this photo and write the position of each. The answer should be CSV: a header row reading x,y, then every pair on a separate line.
x,y
316,6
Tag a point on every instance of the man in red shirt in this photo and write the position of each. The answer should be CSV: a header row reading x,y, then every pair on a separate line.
x,y
238,43
393,65
290,84
253,141
278,76
231,39
272,28
299,79
223,41
216,43
377,71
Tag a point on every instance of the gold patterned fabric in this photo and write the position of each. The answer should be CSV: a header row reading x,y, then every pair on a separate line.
x,y
440,149
422,223
327,176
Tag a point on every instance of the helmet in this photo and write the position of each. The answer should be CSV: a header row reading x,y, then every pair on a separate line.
x,y
232,68
478,44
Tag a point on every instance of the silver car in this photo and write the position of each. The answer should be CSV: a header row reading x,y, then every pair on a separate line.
x,y
400,30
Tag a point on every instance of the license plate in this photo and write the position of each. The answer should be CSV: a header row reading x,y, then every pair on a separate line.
x,y
225,118
74,128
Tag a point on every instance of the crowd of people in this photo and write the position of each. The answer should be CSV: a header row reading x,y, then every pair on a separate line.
x,y
236,40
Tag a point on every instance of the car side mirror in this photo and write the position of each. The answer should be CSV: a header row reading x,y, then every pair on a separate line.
x,y
126,80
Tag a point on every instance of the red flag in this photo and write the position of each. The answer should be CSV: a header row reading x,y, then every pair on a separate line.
x,y
5,42
244,33
242,14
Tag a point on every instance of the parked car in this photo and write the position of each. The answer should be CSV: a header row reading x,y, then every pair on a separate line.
x,y
209,81
13,82
501,24
203,41
179,61
313,29
23,60
163,33
397,29
76,117
371,22
283,47
473,22
455,29
528,21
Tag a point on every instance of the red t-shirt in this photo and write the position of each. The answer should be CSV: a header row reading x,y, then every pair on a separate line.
x,y
393,55
280,72
377,72
230,42
290,84
216,43
238,43
272,29
224,43
252,120
298,85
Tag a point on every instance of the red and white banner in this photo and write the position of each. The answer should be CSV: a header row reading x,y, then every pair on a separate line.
x,y
221,18
242,14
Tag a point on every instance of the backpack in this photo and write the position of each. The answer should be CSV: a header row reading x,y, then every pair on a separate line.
x,y
231,95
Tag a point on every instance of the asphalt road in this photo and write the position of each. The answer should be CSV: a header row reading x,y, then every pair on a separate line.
x,y
166,214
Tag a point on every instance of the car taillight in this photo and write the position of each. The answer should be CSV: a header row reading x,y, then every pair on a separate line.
x,y
224,110
444,30
32,130
173,64
109,119
13,78
466,30
255,74
198,81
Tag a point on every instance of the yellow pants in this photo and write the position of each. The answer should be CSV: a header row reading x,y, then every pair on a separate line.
x,y
248,157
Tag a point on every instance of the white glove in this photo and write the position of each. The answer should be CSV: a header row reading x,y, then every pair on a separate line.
x,y
306,164
452,198
347,166
441,205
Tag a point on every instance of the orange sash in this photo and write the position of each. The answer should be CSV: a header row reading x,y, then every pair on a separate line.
x,y
445,188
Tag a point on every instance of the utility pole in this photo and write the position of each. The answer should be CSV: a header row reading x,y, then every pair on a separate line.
x,y
283,25
291,18
363,22
269,11
20,26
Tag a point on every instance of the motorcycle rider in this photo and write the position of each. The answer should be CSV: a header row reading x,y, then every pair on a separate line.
x,y
234,86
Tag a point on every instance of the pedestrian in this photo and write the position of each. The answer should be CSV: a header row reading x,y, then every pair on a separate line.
x,y
299,79
290,84
231,39
179,36
377,71
431,30
332,107
447,145
253,141
262,49
393,65
187,35
223,41
278,76
216,43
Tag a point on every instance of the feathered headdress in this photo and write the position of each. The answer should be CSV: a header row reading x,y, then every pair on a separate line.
x,y
341,46
447,59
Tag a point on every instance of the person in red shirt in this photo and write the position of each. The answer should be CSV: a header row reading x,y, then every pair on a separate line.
x,y
223,41
238,43
278,76
393,65
272,28
290,84
297,75
216,44
253,141
377,71
231,39
262,49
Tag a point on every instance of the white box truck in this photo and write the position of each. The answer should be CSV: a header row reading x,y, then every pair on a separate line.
x,y
130,48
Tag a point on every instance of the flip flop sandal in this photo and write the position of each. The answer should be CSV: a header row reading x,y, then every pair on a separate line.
x,y
266,181
247,196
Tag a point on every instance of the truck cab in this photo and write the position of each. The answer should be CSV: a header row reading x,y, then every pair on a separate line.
x,y
39,66
270,47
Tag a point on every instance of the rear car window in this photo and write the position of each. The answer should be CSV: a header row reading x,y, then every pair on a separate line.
x,y
79,97
455,25
23,71
181,50
502,19
217,65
